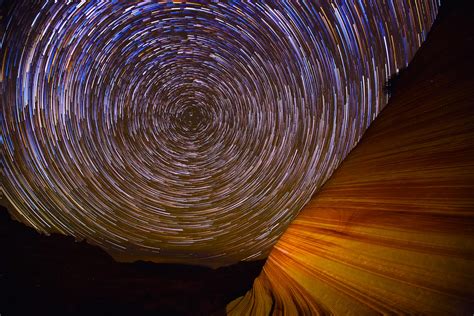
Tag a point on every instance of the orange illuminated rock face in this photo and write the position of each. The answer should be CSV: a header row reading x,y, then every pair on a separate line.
x,y
392,230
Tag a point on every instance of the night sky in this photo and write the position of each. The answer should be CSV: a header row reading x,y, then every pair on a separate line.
x,y
189,131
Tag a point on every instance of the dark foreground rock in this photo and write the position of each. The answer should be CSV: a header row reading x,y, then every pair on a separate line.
x,y
55,275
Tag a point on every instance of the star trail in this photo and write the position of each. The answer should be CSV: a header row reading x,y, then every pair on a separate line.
x,y
189,131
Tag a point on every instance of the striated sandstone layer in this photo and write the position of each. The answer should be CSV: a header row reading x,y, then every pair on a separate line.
x,y
393,230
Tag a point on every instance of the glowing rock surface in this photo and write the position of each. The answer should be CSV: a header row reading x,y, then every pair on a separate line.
x,y
391,232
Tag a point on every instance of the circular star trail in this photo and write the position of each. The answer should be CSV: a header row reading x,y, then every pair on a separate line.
x,y
188,131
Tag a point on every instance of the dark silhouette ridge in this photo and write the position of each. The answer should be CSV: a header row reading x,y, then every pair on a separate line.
x,y
401,81
55,275
392,83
